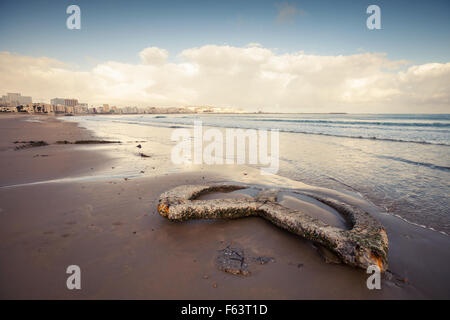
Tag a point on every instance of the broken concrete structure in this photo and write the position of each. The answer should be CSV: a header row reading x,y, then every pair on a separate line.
x,y
365,244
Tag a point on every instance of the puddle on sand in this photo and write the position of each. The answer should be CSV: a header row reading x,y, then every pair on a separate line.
x,y
313,208
247,193
310,206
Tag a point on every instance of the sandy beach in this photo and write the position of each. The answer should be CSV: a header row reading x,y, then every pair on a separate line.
x,y
63,204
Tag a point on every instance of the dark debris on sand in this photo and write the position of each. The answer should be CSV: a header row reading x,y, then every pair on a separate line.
x,y
86,142
143,155
30,144
235,261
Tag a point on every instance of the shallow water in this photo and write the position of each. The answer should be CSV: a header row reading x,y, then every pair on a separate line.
x,y
313,208
302,203
399,162
246,194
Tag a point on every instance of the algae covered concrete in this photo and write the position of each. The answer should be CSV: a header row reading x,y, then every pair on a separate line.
x,y
365,244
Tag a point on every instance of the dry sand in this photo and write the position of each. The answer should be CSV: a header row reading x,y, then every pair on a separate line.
x,y
111,229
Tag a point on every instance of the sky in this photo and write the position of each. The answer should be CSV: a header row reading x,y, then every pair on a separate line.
x,y
287,56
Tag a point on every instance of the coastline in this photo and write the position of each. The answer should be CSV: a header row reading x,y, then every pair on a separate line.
x,y
111,229
47,162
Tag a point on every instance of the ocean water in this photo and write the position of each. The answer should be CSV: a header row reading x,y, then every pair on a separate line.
x,y
431,129
401,163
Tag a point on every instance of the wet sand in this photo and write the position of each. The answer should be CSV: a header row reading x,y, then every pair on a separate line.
x,y
47,162
125,249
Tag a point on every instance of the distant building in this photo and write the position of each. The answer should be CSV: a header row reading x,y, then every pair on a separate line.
x,y
81,108
70,102
8,109
57,101
15,99
39,108
131,110
69,109
64,102
48,108
59,108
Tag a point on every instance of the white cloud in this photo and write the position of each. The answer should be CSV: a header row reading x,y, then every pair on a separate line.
x,y
251,77
254,44
153,55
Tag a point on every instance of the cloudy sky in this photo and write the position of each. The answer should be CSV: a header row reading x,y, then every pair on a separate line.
x,y
288,56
